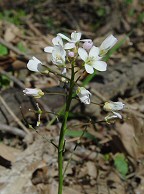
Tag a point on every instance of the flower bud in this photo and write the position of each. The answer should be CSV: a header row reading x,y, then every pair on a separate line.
x,y
71,54
83,94
37,93
107,44
113,106
88,45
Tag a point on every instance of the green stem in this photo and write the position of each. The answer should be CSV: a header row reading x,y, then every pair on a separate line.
x,y
62,133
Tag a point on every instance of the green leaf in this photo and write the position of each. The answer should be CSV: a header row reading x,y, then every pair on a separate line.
x,y
101,12
4,81
21,47
121,164
3,50
13,16
79,133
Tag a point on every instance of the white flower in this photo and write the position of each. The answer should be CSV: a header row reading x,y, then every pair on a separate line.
x,y
37,93
75,37
83,94
36,65
92,60
113,116
113,106
58,41
58,56
107,44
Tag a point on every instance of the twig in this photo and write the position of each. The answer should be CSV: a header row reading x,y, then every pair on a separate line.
x,y
37,32
100,96
135,96
134,112
73,23
12,130
14,116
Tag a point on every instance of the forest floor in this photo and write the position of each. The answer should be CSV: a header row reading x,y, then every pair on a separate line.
x,y
109,157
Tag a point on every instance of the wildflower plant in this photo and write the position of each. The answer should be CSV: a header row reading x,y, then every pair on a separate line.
x,y
71,53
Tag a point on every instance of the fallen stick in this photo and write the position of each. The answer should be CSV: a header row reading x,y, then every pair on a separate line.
x,y
14,116
12,130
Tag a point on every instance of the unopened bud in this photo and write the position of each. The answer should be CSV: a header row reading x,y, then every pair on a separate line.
x,y
88,45
37,93
71,54
113,106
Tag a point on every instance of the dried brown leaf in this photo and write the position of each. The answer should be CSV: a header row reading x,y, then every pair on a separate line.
x,y
128,138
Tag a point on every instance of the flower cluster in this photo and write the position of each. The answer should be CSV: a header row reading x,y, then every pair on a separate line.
x,y
67,49
113,107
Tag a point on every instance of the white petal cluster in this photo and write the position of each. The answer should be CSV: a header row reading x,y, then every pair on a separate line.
x,y
57,41
75,37
67,50
113,107
107,44
113,116
37,93
92,60
36,65
84,95
58,56
91,55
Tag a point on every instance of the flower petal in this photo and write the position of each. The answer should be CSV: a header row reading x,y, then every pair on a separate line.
x,y
64,37
83,94
75,36
117,114
108,43
89,69
113,106
34,64
63,72
37,93
85,99
48,49
94,52
83,54
83,91
57,41
100,65
58,55
69,45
